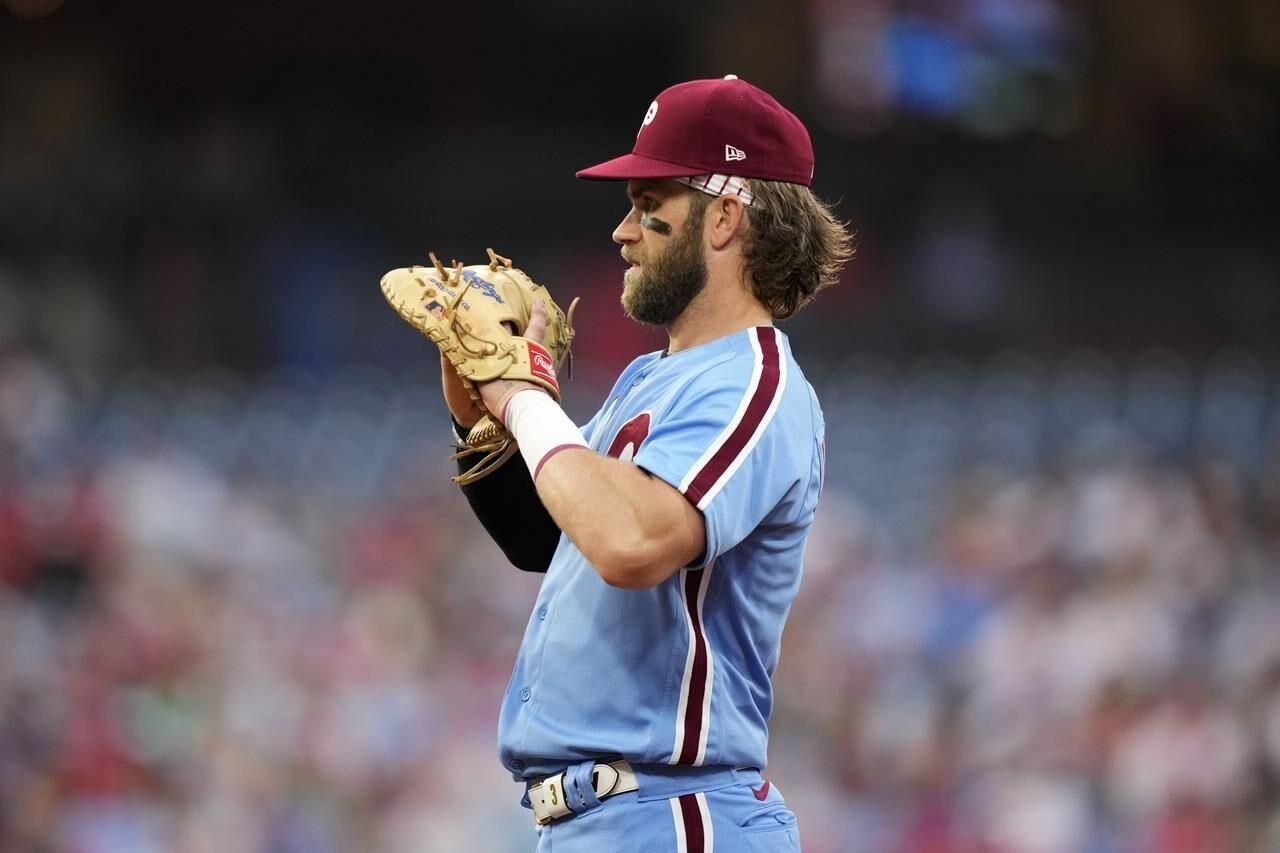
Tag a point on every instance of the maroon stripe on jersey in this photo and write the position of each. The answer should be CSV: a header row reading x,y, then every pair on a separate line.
x,y
698,679
694,836
720,461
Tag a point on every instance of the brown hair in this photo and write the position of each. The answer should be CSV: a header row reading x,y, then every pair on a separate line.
x,y
795,246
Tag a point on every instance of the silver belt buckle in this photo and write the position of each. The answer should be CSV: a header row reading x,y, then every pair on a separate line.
x,y
547,798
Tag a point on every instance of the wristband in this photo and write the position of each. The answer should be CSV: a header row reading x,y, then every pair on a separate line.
x,y
540,426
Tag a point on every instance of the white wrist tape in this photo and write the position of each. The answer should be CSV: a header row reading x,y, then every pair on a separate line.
x,y
540,426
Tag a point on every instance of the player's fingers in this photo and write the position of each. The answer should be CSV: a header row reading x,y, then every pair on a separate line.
x,y
447,369
453,386
456,397
537,322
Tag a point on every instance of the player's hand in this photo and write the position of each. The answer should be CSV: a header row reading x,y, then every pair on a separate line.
x,y
496,393
466,411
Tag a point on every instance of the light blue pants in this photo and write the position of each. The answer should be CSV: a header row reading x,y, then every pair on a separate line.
x,y
680,810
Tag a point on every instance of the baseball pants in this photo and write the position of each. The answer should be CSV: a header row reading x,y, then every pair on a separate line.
x,y
738,813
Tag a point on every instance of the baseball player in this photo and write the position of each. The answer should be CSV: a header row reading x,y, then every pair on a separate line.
x,y
670,526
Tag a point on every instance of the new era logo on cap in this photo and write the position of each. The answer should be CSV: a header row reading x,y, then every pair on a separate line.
x,y
707,123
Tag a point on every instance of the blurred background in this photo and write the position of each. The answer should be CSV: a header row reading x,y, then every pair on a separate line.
x,y
242,608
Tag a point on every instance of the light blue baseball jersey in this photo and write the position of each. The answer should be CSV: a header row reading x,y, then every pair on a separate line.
x,y
679,673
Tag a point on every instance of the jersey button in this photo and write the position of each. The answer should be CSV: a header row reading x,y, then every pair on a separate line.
x,y
517,764
524,695
542,612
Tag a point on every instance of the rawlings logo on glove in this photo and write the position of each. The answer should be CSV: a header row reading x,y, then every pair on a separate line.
x,y
541,365
482,338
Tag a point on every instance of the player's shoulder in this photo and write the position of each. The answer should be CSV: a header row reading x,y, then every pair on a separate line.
x,y
758,359
758,373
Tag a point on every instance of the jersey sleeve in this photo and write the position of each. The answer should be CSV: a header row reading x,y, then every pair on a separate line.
x,y
722,445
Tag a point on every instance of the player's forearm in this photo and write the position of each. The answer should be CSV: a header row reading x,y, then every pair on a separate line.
x,y
635,529
621,519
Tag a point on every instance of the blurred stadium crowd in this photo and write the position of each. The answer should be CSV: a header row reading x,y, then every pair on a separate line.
x,y
241,607
1040,614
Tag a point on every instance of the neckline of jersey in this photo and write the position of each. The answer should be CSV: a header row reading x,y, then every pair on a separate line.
x,y
715,343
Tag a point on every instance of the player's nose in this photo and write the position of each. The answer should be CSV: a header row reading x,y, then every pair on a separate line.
x,y
628,230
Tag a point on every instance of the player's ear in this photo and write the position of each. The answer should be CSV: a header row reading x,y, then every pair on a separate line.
x,y
725,214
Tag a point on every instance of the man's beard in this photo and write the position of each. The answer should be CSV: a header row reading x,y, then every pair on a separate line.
x,y
663,286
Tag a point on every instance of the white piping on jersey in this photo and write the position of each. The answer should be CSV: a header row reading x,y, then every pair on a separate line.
x,y
756,373
686,681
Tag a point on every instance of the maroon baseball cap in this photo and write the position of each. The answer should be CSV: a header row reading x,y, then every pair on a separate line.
x,y
723,126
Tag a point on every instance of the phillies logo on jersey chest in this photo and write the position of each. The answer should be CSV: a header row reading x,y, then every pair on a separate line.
x,y
629,437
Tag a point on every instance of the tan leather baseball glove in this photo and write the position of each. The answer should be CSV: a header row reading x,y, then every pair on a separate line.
x,y
476,316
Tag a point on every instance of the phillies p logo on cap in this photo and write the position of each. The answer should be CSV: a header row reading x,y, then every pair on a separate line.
x,y
649,117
